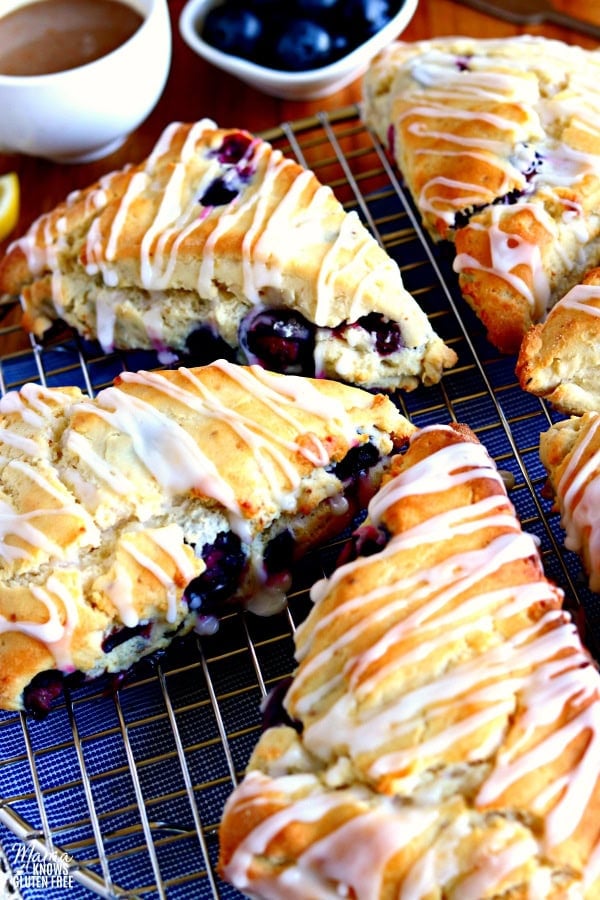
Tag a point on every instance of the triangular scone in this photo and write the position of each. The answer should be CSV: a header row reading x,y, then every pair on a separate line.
x,y
217,230
443,723
559,358
570,453
499,143
140,514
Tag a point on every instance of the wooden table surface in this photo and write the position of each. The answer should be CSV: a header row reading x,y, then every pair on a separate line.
x,y
196,89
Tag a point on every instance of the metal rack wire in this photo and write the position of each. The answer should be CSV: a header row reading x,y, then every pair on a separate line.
x,y
126,787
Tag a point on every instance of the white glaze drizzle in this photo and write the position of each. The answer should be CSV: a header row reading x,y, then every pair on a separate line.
x,y
256,272
79,445
55,634
196,469
584,298
33,403
509,250
578,493
121,589
21,525
542,668
348,857
440,864
279,221
171,454
164,447
444,91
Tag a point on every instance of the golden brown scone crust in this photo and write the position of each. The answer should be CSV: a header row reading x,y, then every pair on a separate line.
x,y
499,143
570,453
104,500
447,714
558,359
212,226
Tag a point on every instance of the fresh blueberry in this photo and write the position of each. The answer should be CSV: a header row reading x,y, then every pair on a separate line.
x,y
302,45
341,45
316,8
232,29
279,339
367,17
300,35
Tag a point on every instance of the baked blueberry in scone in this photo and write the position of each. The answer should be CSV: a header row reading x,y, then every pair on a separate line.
x,y
499,143
440,737
217,239
163,502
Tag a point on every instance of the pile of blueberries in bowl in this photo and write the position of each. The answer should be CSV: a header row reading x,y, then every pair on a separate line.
x,y
298,35
297,49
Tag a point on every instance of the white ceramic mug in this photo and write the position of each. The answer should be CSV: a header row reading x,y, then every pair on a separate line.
x,y
87,112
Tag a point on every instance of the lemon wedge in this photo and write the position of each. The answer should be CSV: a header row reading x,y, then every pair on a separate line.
x,y
9,203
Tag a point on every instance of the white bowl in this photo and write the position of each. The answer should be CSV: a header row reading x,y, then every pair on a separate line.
x,y
307,85
87,112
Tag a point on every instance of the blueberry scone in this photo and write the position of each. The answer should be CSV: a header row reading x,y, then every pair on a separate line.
x,y
441,734
219,240
148,510
499,143
570,453
558,359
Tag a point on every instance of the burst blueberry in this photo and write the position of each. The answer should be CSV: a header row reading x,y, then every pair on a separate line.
x,y
359,459
388,337
119,635
365,541
224,561
279,553
233,148
273,710
41,693
203,346
279,339
386,333
226,187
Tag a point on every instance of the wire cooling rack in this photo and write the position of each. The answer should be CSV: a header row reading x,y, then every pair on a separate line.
x,y
118,793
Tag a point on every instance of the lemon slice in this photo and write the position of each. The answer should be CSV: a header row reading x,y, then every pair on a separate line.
x,y
9,203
